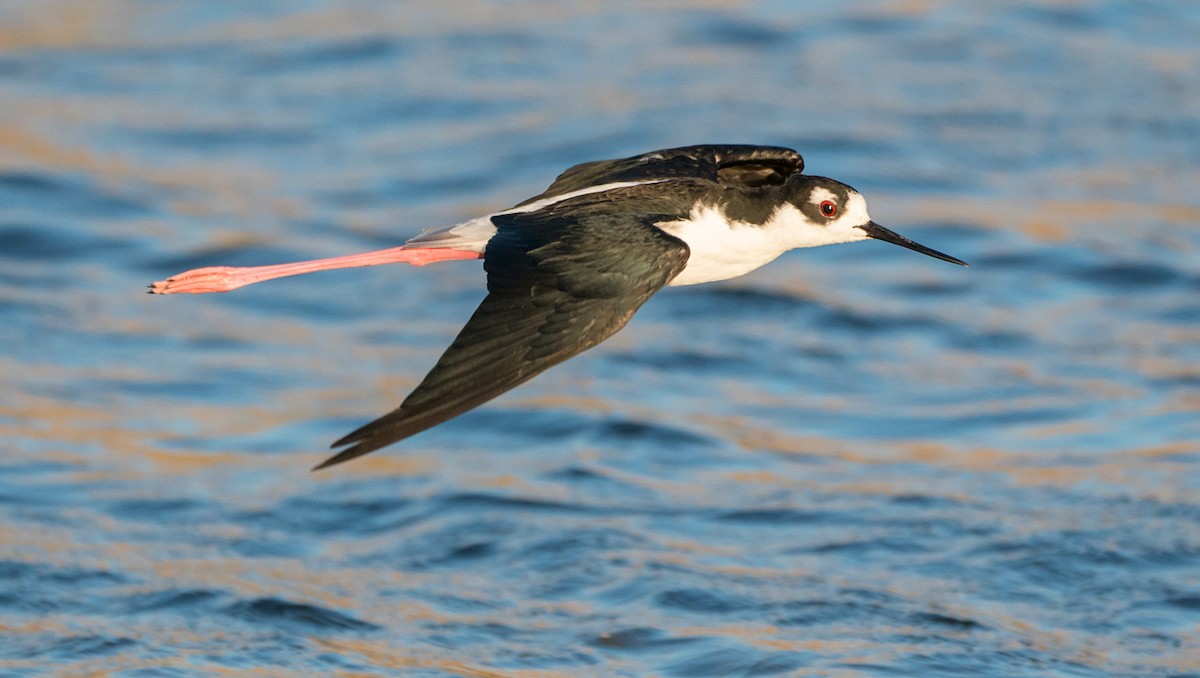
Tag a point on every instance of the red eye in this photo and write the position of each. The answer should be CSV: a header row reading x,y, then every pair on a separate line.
x,y
828,208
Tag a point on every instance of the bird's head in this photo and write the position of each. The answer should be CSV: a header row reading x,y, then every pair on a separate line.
x,y
822,211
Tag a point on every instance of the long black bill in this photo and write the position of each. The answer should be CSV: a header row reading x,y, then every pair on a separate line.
x,y
878,232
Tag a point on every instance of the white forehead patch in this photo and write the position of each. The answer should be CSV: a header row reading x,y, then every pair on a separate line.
x,y
854,212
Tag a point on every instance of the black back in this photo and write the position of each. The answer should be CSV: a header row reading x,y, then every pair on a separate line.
x,y
730,164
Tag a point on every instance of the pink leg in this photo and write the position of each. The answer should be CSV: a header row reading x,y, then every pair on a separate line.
x,y
226,278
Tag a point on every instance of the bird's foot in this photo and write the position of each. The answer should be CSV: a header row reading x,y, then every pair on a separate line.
x,y
226,278
203,281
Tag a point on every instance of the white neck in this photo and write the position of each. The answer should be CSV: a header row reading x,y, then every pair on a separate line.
x,y
722,248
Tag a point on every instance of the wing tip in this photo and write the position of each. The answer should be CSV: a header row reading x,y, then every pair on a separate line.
x,y
362,441
325,464
345,455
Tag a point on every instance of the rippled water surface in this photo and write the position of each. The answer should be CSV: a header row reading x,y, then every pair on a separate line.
x,y
854,461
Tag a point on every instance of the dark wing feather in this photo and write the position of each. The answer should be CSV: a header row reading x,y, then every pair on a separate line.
x,y
730,164
558,284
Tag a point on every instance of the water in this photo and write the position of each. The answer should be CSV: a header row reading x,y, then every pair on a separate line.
x,y
855,461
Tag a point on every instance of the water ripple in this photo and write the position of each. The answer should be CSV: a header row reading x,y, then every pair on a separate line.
x,y
855,460
296,617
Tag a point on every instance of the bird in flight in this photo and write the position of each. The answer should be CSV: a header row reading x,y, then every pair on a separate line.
x,y
568,268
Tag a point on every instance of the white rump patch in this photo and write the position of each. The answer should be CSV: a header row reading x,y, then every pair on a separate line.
x,y
474,235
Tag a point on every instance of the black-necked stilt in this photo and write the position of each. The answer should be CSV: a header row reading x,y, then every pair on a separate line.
x,y
568,268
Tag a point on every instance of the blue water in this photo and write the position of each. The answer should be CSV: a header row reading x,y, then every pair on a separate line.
x,y
854,461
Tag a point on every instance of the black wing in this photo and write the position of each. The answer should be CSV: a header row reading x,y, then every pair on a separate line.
x,y
559,282
731,165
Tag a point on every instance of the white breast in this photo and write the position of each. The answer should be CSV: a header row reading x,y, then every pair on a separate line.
x,y
721,248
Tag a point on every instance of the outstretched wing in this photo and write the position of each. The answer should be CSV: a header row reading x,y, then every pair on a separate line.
x,y
731,165
559,282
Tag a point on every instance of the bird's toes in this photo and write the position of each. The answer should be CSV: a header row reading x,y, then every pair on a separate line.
x,y
196,281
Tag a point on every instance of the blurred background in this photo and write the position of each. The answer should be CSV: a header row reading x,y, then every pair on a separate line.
x,y
854,461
